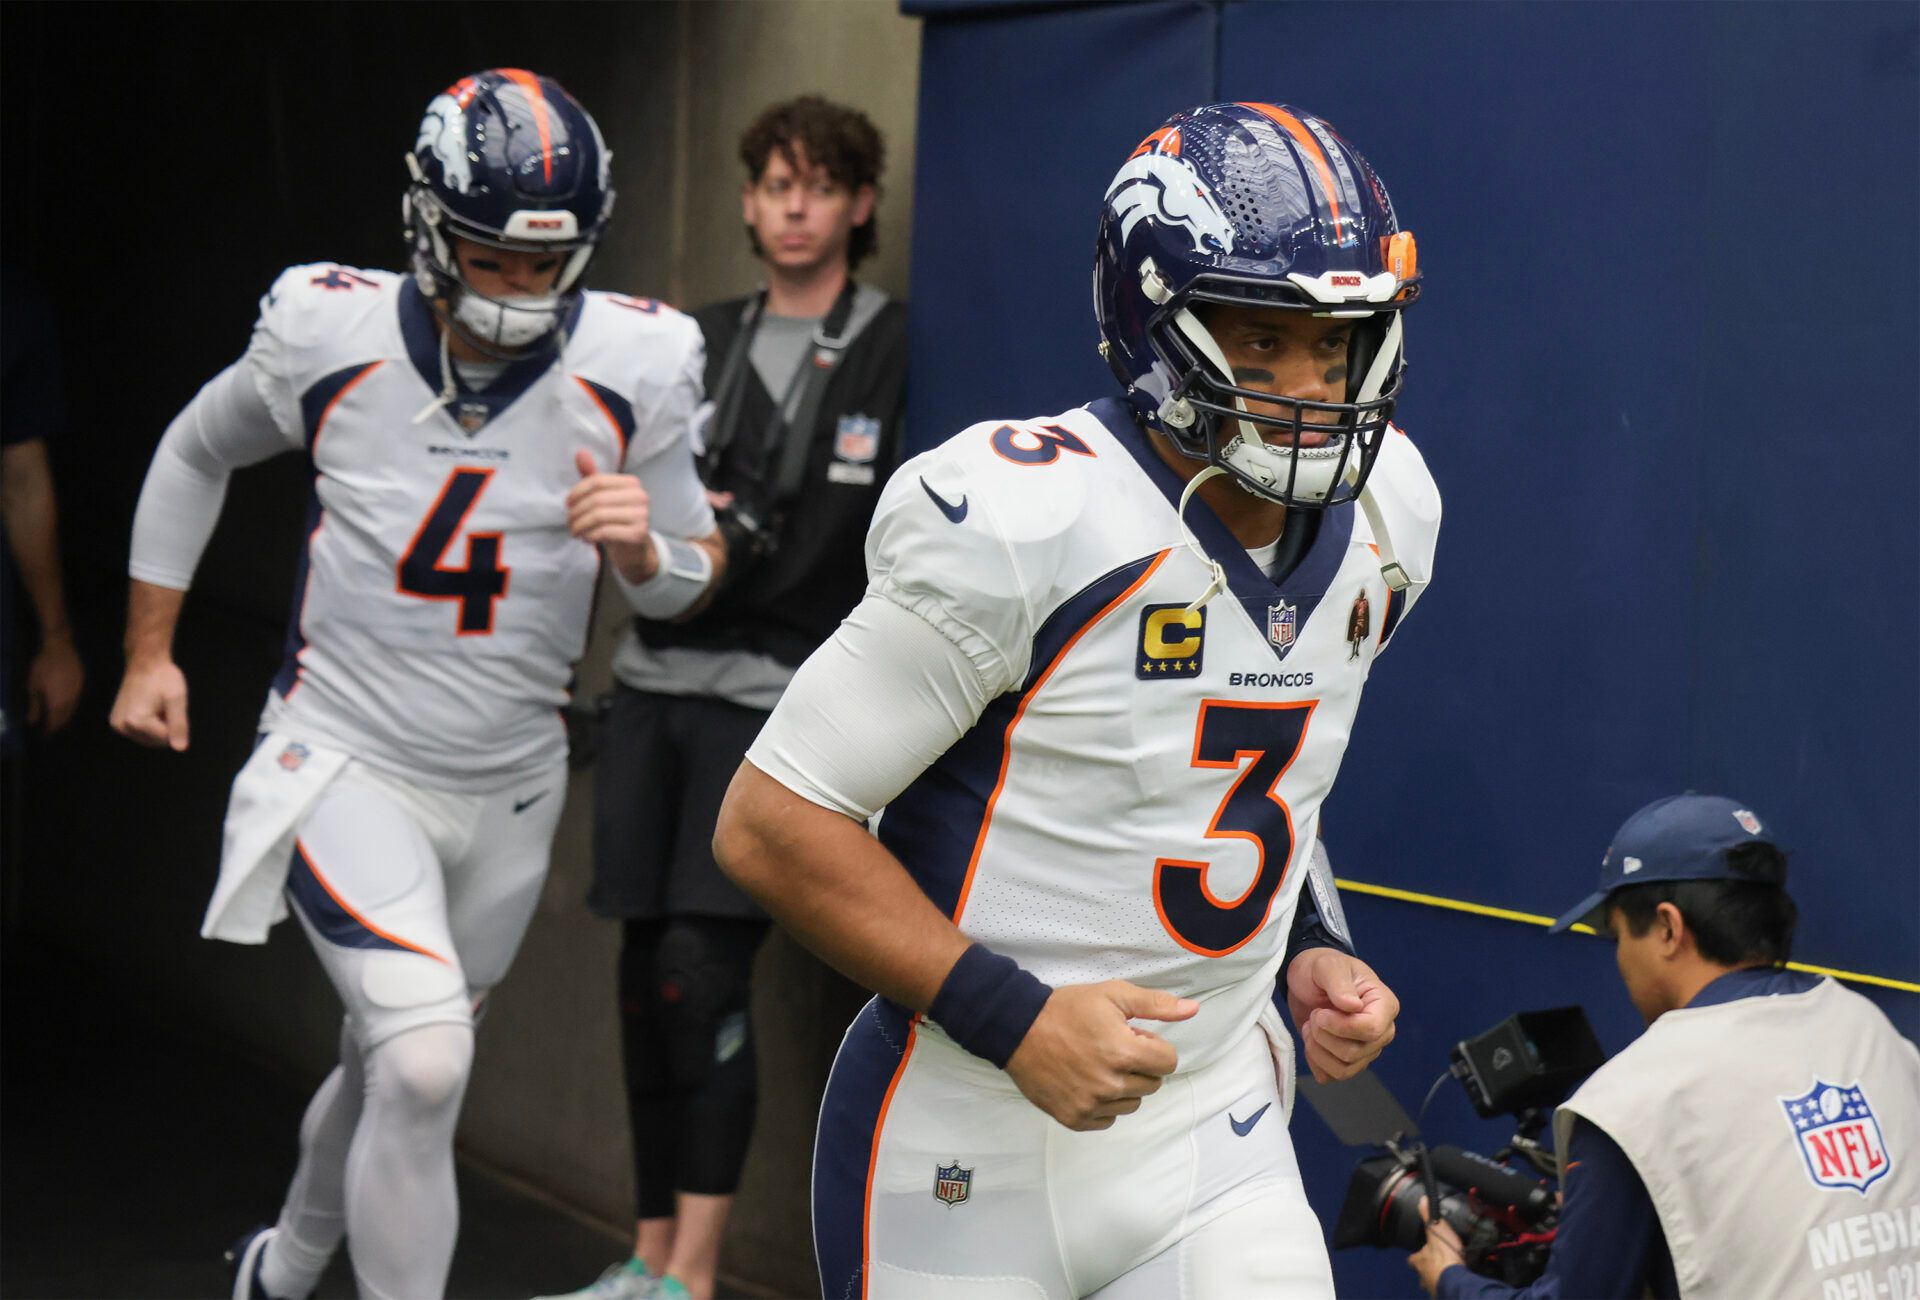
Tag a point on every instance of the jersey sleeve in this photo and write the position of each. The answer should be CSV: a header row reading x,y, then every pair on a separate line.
x,y
666,402
869,711
1402,509
937,549
227,425
282,336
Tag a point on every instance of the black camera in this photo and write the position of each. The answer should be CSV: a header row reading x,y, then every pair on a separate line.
x,y
1506,1216
749,537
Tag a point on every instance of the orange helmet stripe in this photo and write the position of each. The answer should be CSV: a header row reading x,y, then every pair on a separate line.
x,y
531,84
1167,137
1294,127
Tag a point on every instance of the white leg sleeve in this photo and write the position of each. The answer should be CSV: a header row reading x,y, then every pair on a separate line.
x,y
402,1212
314,1218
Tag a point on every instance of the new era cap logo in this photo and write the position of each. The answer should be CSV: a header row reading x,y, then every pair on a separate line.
x,y
1629,865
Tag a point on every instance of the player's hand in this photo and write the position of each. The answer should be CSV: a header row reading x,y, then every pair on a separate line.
x,y
1084,1064
610,511
1344,1012
54,681
1441,1251
152,705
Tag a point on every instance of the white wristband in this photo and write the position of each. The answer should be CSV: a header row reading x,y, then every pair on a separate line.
x,y
683,574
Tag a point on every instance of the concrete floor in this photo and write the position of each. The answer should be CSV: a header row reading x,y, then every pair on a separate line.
x,y
134,1153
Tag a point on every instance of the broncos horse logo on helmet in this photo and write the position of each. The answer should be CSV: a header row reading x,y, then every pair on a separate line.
x,y
1253,205
509,159
1167,189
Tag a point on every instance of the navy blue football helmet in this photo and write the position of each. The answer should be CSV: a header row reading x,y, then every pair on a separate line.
x,y
1265,206
506,158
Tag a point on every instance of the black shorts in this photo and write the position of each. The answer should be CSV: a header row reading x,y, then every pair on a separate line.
x,y
664,765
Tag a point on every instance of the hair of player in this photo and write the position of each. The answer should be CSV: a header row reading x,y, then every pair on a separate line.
x,y
840,139
1733,922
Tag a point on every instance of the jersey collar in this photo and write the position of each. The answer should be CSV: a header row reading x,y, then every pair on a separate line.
x,y
1257,593
471,409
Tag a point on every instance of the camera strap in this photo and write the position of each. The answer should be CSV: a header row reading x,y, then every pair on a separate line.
x,y
790,428
800,411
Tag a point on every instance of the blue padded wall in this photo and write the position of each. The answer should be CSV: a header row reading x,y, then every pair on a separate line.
x,y
1665,375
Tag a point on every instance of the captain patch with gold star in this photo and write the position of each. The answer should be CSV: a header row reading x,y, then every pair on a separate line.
x,y
1172,638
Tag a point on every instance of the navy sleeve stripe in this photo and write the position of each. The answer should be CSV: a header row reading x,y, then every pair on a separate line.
x,y
617,409
938,825
317,403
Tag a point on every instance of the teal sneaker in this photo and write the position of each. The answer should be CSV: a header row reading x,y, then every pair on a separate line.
x,y
627,1280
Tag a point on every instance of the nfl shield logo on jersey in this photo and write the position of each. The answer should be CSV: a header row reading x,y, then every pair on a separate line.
x,y
472,416
1280,625
951,1183
857,438
1839,1137
293,756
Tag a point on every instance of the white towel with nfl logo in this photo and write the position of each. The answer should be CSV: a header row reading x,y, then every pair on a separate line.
x,y
270,796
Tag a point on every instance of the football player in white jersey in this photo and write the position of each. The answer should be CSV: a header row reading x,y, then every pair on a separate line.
x,y
481,432
1101,683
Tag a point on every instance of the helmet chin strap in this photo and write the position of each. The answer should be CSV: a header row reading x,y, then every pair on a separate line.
x,y
1396,575
1219,575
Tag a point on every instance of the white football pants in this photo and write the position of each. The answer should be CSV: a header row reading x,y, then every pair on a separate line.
x,y
415,901
934,1178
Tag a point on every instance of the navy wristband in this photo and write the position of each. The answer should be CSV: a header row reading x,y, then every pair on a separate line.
x,y
987,1003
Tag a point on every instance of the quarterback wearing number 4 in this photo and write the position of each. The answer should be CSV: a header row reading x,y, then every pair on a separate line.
x,y
480,432
1100,683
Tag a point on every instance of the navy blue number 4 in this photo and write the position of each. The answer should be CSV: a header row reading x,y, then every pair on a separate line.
x,y
1228,733
423,571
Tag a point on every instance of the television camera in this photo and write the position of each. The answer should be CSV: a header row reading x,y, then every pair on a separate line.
x,y
1502,1207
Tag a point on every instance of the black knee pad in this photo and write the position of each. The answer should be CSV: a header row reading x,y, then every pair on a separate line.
x,y
702,972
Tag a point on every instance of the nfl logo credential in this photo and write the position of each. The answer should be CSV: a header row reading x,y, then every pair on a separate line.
x,y
951,1183
857,438
1280,626
1839,1137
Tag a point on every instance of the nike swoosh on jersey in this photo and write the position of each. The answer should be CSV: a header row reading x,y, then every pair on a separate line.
x,y
953,513
521,805
1242,1127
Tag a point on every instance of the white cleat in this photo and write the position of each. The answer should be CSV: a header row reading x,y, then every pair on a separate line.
x,y
244,1257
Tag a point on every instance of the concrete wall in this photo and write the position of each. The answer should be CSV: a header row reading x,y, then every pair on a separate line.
x,y
118,845
546,1100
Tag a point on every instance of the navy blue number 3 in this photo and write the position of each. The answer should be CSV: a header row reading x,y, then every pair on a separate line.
x,y
1229,732
424,573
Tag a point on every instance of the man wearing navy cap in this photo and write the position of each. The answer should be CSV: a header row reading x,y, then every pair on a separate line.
x,y
1763,1136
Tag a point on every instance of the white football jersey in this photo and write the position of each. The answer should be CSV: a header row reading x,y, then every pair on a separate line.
x,y
1139,803
441,602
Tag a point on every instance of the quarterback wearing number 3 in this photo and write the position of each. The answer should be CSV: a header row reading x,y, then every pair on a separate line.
x,y
1100,685
481,432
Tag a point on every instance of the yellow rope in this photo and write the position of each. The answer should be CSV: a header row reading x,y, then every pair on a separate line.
x,y
1530,918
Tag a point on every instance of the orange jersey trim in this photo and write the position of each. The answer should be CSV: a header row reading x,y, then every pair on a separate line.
x,y
873,1158
350,910
313,447
1006,752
